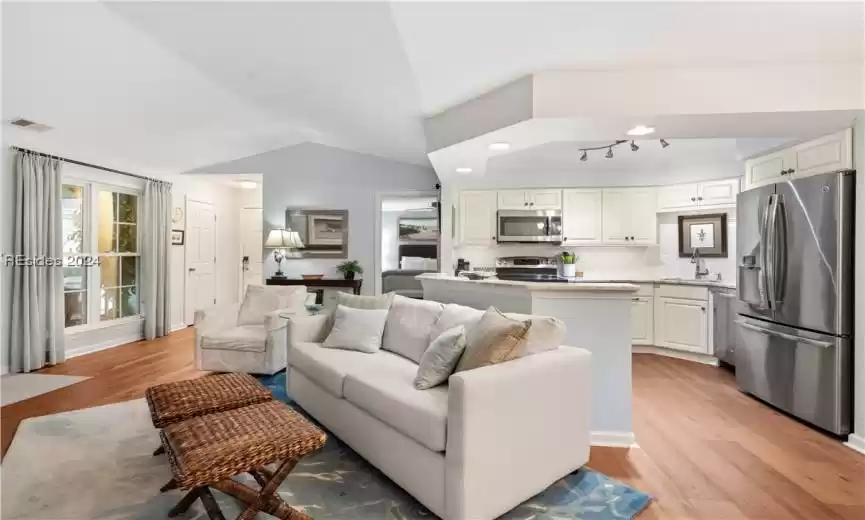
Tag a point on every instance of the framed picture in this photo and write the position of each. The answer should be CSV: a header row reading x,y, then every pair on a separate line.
x,y
418,229
706,232
325,230
177,236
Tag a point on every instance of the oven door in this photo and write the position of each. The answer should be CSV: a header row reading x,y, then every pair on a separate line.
x,y
529,226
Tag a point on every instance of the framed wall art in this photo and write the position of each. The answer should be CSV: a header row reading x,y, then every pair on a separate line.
x,y
706,232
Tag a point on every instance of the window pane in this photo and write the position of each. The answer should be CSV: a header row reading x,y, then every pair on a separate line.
x,y
74,279
73,218
127,208
107,230
128,301
109,309
128,270
75,308
127,238
109,271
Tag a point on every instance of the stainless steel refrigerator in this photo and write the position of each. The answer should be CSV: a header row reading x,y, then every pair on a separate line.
x,y
795,285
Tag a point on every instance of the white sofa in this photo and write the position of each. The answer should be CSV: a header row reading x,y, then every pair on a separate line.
x,y
222,345
469,450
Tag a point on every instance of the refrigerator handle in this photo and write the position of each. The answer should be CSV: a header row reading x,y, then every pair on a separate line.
x,y
779,236
765,277
789,337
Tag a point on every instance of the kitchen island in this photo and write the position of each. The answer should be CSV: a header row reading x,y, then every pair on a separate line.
x,y
597,317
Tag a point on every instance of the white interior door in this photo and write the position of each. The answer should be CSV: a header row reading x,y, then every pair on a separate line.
x,y
251,244
200,257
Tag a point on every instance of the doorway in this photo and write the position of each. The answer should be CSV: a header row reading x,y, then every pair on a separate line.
x,y
407,240
200,258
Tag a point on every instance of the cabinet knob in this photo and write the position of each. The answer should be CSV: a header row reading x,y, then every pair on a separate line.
x,y
791,170
525,203
626,238
693,199
703,309
565,239
699,198
493,238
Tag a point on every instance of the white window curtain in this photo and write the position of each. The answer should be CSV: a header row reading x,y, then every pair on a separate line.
x,y
156,219
37,290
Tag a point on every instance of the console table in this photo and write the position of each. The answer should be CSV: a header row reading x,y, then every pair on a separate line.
x,y
318,286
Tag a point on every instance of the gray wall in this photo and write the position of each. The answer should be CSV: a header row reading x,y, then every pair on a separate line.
x,y
390,235
311,175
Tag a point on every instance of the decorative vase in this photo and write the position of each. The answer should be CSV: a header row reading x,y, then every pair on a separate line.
x,y
569,270
349,275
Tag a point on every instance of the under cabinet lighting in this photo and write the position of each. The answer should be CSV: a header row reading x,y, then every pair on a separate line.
x,y
641,130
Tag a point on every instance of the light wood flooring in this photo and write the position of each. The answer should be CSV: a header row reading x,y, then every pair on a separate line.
x,y
707,451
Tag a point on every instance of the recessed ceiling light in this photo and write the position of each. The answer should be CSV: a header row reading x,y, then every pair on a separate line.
x,y
248,185
463,169
641,130
498,147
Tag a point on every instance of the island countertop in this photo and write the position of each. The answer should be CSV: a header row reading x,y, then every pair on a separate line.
x,y
575,286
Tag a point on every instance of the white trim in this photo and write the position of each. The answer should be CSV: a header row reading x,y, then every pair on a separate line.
x,y
855,442
127,332
99,324
189,316
379,196
678,354
179,326
613,439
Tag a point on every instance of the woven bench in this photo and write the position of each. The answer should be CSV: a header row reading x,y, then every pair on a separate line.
x,y
174,402
206,451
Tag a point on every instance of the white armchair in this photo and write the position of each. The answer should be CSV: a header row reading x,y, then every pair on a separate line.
x,y
249,336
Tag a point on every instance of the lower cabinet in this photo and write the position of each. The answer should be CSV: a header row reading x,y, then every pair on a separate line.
x,y
642,321
681,324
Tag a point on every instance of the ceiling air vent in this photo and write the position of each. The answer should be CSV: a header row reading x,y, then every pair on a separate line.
x,y
30,125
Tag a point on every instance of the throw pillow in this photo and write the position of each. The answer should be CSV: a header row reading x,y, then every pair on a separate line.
x,y
356,329
409,322
364,302
545,333
440,359
495,339
262,299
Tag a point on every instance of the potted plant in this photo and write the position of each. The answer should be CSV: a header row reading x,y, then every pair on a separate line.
x,y
349,269
569,264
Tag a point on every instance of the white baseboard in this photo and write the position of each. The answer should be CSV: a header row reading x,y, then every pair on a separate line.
x,y
179,326
855,442
102,338
613,439
678,354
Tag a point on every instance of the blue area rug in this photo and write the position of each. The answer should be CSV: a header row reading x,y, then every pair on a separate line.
x,y
348,487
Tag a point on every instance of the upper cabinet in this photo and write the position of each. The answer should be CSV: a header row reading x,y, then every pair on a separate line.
x,y
582,214
530,199
477,217
824,154
629,216
711,194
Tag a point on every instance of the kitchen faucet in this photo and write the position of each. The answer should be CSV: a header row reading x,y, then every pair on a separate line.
x,y
695,259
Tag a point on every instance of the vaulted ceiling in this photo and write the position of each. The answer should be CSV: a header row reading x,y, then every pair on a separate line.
x,y
174,86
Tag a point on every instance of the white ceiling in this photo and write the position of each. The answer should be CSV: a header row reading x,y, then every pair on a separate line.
x,y
158,86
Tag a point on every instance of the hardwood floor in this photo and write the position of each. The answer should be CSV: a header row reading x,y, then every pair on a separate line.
x,y
707,451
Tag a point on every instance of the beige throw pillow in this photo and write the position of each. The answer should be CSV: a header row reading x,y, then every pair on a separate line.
x,y
494,339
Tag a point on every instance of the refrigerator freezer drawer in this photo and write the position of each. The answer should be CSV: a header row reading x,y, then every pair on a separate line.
x,y
801,372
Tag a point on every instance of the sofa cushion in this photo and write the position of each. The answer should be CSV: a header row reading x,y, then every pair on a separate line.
x,y
364,302
495,339
327,367
453,315
545,333
246,338
409,323
260,300
357,329
387,393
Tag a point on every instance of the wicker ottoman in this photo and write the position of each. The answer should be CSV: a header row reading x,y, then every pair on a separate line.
x,y
207,451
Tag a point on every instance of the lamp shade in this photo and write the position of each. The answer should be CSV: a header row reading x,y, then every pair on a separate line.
x,y
280,238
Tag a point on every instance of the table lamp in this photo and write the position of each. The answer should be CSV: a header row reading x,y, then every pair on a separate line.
x,y
284,243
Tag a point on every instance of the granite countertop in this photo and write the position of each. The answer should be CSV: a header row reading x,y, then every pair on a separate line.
x,y
669,281
592,281
574,286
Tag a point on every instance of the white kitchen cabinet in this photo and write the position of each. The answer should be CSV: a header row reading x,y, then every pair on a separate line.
x,y
824,154
544,199
642,320
629,216
678,197
477,217
512,199
530,199
681,324
582,216
718,193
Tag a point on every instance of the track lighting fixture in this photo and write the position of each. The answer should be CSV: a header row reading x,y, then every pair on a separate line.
x,y
584,156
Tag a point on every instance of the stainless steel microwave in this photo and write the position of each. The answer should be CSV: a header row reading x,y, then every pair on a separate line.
x,y
529,226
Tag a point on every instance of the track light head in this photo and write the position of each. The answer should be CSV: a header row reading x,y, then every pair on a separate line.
x,y
634,146
584,156
664,143
609,154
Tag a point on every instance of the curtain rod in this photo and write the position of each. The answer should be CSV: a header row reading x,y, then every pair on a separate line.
x,y
79,163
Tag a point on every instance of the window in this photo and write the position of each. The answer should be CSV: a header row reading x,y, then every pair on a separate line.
x,y
100,231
